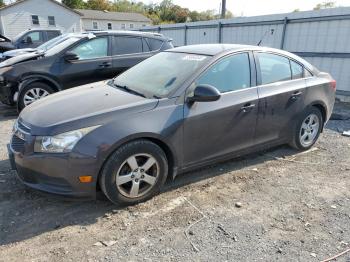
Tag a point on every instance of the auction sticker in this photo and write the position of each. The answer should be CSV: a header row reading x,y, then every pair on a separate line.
x,y
194,57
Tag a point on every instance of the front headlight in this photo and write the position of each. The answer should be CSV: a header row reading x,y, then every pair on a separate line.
x,y
61,143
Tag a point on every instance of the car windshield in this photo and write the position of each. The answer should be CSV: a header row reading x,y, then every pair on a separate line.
x,y
160,74
62,45
51,43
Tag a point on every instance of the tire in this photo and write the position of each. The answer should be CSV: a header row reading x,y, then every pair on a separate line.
x,y
41,89
305,134
118,181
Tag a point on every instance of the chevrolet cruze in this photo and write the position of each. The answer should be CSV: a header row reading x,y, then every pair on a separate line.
x,y
178,110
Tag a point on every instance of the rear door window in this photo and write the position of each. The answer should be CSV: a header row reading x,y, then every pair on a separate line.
x,y
127,45
154,44
52,34
273,68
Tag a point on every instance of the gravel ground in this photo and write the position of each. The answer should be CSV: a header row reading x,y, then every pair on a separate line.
x,y
276,205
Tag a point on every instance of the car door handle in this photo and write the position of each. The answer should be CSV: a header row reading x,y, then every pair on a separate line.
x,y
296,95
247,107
105,64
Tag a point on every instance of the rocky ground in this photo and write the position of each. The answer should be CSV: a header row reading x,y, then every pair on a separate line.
x,y
277,205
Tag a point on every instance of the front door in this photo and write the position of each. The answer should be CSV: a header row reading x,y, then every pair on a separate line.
x,y
94,63
214,129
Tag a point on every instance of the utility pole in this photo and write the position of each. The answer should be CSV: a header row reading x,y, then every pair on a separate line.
x,y
223,9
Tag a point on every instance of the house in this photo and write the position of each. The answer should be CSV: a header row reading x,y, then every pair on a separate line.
x,y
45,14
105,20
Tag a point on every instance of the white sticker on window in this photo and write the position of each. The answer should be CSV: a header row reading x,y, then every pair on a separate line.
x,y
194,58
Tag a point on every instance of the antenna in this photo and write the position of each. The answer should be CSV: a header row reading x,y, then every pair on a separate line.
x,y
264,35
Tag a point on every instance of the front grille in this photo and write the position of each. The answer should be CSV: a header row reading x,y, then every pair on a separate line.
x,y
22,127
17,144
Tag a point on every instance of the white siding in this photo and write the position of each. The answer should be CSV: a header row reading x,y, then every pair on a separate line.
x,y
17,18
116,25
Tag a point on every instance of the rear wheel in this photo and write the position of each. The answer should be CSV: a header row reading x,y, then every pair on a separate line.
x,y
308,129
32,93
134,173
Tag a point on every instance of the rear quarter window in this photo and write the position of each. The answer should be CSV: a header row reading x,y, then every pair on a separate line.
x,y
154,44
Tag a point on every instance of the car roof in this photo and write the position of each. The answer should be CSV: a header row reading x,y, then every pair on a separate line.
x,y
218,49
131,33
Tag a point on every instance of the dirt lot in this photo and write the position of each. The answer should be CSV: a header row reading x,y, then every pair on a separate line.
x,y
293,207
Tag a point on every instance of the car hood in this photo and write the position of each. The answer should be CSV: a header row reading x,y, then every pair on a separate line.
x,y
88,105
21,58
17,52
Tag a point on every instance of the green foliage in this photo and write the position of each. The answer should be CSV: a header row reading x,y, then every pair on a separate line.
x,y
74,4
161,13
326,4
2,3
99,5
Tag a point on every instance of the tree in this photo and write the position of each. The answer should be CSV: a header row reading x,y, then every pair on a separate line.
x,y
74,4
99,5
2,3
324,5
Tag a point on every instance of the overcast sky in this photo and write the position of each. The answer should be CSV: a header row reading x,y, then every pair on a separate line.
x,y
251,7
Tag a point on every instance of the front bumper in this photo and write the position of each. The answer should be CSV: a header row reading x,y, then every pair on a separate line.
x,y
53,173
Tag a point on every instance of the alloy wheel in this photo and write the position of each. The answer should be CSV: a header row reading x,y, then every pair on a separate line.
x,y
34,94
309,130
137,175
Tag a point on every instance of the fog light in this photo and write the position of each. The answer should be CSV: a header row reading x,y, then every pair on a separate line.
x,y
85,179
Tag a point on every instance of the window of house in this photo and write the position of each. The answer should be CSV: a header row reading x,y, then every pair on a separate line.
x,y
143,25
273,68
35,20
51,20
297,70
131,25
93,48
123,26
127,45
94,25
229,74
109,26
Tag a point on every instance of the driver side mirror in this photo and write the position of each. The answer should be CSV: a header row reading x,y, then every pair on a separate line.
x,y
204,93
70,56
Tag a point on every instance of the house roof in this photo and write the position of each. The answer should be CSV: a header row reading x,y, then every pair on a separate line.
x,y
53,1
113,16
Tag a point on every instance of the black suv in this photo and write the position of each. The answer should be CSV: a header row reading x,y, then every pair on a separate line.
x,y
28,39
82,59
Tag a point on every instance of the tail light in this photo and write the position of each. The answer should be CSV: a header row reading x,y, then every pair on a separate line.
x,y
334,84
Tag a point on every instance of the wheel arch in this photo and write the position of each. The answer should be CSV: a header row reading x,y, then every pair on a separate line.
x,y
323,109
158,140
39,78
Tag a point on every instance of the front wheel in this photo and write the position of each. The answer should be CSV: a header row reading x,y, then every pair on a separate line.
x,y
308,129
134,173
32,93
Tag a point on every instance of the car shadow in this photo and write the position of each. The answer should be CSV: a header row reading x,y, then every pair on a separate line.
x,y
28,213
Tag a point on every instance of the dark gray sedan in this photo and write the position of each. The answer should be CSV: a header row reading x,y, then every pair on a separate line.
x,y
181,109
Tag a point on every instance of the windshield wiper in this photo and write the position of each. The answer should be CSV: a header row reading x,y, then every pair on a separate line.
x,y
129,90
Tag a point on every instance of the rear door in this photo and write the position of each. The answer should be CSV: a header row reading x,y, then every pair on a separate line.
x,y
94,63
215,129
128,51
281,93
